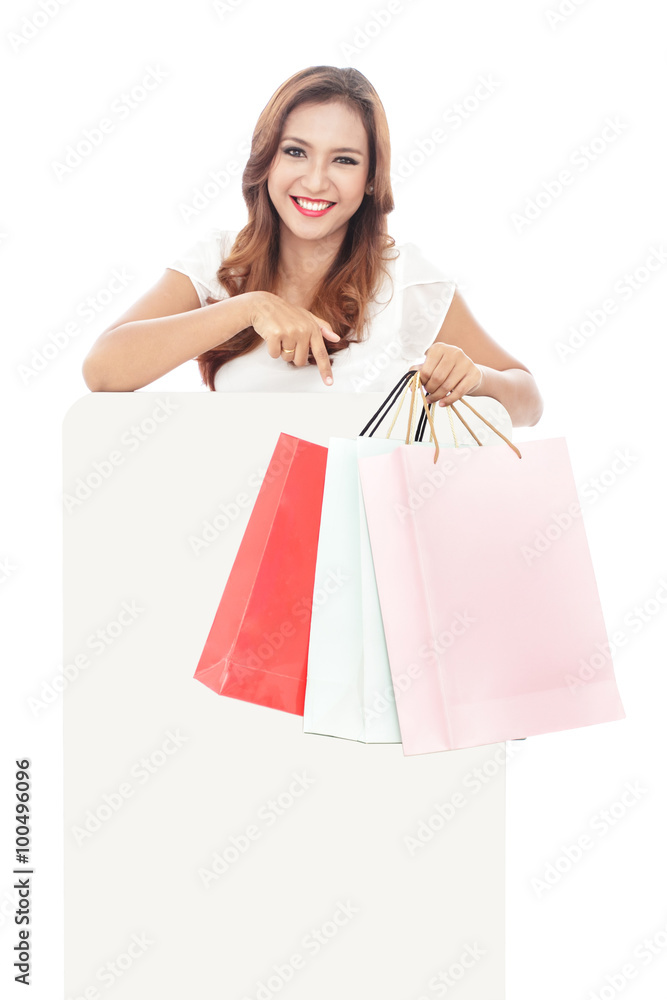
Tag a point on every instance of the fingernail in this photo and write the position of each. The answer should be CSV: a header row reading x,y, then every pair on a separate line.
x,y
329,380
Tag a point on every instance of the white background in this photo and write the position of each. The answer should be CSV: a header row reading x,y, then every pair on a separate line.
x,y
555,84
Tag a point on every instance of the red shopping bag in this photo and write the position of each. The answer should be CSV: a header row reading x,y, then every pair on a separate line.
x,y
257,649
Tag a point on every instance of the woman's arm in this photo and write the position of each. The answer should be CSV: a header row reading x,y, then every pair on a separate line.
x,y
165,328
516,389
465,360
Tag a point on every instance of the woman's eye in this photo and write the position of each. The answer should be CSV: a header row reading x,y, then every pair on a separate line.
x,y
295,149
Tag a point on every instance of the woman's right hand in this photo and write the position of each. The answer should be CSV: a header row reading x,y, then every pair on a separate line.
x,y
291,331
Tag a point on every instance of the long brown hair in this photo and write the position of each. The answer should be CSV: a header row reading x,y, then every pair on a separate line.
x,y
355,275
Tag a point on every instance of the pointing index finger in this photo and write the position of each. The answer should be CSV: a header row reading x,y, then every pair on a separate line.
x,y
321,356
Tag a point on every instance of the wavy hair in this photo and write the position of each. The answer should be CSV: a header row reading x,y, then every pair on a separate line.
x,y
355,275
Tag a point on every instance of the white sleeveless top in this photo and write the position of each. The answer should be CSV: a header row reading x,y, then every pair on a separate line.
x,y
405,319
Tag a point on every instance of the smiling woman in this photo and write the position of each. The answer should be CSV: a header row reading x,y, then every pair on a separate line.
x,y
312,294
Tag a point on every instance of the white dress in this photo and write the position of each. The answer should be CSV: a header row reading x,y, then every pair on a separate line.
x,y
403,324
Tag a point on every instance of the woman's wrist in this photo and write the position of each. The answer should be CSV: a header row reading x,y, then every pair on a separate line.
x,y
481,388
515,389
248,303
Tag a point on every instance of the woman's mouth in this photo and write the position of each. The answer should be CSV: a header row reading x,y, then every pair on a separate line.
x,y
308,207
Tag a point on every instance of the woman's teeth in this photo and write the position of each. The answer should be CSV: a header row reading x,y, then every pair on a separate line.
x,y
313,206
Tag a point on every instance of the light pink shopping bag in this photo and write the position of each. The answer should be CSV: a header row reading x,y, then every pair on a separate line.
x,y
489,600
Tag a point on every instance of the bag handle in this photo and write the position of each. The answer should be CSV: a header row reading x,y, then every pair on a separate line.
x,y
415,383
422,425
388,403
411,380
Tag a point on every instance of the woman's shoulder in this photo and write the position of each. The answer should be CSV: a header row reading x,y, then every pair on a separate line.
x,y
224,237
414,267
210,246
425,293
201,260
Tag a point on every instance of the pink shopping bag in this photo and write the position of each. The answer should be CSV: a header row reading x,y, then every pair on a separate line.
x,y
502,637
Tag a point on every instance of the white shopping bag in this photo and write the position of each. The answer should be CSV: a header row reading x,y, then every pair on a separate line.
x,y
349,689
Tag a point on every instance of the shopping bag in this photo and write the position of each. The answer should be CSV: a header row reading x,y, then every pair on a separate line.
x,y
506,638
349,689
257,647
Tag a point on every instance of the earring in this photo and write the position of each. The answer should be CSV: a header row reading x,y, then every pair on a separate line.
x,y
370,189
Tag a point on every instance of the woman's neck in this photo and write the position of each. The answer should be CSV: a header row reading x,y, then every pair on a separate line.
x,y
303,263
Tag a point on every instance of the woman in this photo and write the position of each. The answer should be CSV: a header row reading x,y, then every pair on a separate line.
x,y
308,295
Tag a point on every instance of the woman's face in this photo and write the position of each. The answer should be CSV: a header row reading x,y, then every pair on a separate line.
x,y
318,177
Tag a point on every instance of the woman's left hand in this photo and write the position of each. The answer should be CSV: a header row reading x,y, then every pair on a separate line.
x,y
448,373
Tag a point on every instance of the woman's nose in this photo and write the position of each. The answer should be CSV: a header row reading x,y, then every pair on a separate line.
x,y
315,178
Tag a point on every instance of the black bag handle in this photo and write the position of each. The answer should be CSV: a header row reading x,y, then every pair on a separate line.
x,y
388,403
424,419
422,422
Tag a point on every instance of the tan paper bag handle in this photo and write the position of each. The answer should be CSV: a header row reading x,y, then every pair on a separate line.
x,y
415,383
